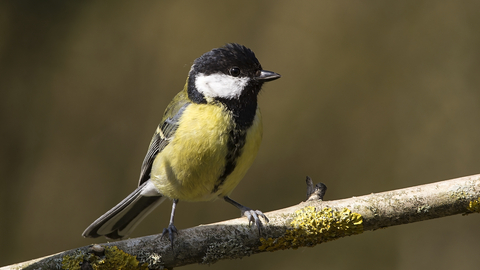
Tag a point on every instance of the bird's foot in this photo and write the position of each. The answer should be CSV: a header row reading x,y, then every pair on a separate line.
x,y
253,216
170,230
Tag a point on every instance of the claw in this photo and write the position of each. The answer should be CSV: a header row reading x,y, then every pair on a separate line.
x,y
171,230
251,215
253,218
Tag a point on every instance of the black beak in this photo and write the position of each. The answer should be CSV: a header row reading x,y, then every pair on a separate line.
x,y
266,76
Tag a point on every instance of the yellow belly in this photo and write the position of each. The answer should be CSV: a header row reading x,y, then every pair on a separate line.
x,y
189,166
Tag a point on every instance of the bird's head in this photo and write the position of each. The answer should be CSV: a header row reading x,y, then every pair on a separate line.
x,y
230,73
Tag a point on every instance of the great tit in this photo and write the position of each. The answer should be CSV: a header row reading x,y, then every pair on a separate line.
x,y
208,138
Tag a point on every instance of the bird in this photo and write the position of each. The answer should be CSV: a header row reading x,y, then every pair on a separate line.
x,y
208,138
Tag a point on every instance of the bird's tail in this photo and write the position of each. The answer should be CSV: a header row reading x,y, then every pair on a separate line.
x,y
120,221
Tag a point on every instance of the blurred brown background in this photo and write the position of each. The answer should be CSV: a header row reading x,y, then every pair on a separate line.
x,y
375,95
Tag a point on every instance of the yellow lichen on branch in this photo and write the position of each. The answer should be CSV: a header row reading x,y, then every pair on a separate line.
x,y
114,258
310,227
474,206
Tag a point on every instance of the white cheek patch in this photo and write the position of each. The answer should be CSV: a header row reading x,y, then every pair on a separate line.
x,y
220,85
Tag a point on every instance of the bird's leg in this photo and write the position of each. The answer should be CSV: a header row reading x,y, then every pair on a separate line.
x,y
171,228
251,215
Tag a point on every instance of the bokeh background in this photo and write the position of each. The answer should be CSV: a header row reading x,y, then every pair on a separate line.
x,y
374,96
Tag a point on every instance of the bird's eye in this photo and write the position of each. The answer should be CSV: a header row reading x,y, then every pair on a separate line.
x,y
235,71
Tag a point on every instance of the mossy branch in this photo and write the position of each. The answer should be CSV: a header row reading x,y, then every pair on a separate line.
x,y
306,224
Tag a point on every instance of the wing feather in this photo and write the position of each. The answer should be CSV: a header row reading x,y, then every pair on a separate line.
x,y
164,134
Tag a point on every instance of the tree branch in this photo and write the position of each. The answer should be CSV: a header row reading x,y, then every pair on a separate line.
x,y
306,224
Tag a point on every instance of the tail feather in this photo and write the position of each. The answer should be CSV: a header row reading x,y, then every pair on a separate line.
x,y
119,221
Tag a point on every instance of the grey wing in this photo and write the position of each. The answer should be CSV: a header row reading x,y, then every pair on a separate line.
x,y
162,137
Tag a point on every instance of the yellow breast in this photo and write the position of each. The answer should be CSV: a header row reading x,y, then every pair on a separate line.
x,y
190,165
